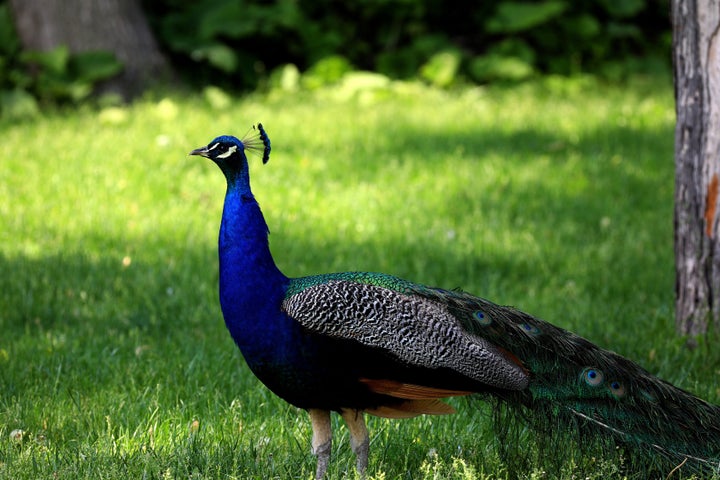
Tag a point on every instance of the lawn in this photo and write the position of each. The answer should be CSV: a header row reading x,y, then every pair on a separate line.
x,y
555,197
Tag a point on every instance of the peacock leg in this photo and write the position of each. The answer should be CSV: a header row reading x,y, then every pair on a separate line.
x,y
321,439
359,438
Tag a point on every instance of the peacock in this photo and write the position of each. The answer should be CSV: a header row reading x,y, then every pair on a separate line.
x,y
361,343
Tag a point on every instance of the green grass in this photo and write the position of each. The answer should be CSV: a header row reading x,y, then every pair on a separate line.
x,y
555,197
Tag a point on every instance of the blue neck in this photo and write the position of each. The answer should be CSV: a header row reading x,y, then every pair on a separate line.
x,y
251,285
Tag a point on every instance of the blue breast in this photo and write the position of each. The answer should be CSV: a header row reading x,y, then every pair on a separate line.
x,y
280,353
305,369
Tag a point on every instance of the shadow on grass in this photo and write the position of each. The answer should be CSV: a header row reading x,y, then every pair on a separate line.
x,y
619,195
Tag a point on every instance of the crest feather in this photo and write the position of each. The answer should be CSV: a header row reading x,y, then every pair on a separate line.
x,y
256,141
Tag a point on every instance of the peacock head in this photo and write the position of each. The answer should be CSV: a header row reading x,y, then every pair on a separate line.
x,y
229,152
223,149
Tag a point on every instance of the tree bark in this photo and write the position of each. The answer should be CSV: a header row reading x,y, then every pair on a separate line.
x,y
696,56
117,26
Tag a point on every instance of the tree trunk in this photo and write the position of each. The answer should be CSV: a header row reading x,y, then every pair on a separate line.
x,y
696,55
117,26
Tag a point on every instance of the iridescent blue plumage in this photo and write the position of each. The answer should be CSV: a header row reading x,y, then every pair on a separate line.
x,y
367,342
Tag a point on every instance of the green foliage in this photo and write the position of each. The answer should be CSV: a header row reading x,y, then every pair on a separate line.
x,y
625,9
573,37
441,69
286,77
226,34
494,67
236,44
326,71
17,104
62,76
27,77
554,196
9,43
241,41
510,59
513,17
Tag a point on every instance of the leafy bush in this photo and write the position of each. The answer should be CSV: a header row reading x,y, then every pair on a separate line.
x,y
236,44
240,41
62,76
27,77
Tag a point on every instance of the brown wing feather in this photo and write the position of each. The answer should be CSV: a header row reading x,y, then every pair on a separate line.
x,y
410,391
418,399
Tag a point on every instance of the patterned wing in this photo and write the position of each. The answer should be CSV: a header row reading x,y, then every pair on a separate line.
x,y
416,330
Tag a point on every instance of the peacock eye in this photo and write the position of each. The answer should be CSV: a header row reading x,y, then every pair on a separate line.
x,y
530,329
482,318
616,388
592,377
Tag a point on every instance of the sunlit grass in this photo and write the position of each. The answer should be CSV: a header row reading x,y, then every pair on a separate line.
x,y
555,197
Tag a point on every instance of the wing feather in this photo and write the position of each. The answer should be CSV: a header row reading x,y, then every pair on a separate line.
x,y
416,330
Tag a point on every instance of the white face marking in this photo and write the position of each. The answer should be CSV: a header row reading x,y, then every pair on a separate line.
x,y
230,151
214,146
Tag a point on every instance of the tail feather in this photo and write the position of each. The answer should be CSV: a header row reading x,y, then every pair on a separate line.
x,y
593,391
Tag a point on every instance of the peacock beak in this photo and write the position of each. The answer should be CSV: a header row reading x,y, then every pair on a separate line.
x,y
202,151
